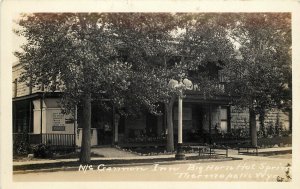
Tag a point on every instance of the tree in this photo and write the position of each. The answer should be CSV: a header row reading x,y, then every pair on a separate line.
x,y
82,56
261,77
174,46
200,44
130,57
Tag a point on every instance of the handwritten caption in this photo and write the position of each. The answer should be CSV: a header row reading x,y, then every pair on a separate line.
x,y
198,172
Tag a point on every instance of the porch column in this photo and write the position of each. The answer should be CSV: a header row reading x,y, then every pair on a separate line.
x,y
30,127
228,119
209,123
116,118
41,120
75,124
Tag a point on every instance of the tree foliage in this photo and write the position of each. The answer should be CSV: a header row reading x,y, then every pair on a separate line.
x,y
129,58
261,77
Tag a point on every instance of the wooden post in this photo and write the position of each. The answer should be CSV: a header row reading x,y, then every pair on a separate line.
x,y
75,125
228,119
41,120
209,123
30,118
116,119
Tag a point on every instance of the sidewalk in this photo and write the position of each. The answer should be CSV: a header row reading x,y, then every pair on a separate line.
x,y
262,153
133,159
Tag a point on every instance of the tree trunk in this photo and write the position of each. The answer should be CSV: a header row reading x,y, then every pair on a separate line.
x,y
85,153
253,130
116,121
262,122
170,135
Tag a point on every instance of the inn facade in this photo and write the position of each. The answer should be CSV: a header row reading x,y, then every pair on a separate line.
x,y
37,116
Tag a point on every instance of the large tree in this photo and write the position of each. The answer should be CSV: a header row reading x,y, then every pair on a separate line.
x,y
91,56
200,44
261,77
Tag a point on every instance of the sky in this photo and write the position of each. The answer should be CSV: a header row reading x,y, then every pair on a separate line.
x,y
17,40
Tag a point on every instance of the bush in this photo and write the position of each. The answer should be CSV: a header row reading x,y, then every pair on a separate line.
x,y
22,148
42,151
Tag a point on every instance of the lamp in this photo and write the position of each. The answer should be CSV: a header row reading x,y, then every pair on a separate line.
x,y
181,85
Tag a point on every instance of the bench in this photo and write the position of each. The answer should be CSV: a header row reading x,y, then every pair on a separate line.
x,y
245,150
209,150
214,148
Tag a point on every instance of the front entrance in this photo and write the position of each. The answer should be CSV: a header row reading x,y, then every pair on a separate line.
x,y
102,121
104,134
151,125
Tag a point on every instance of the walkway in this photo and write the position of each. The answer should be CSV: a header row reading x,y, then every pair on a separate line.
x,y
112,152
117,154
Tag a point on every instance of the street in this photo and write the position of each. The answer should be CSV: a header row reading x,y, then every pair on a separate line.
x,y
251,168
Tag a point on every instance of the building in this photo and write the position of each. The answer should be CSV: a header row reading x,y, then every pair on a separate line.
x,y
37,118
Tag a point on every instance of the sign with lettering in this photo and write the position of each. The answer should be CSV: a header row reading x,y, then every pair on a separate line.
x,y
58,119
58,128
69,121
58,122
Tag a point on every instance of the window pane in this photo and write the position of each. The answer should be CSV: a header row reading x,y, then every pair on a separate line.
x,y
224,114
224,126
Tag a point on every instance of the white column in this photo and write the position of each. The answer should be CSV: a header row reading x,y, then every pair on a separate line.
x,y
116,119
180,119
116,133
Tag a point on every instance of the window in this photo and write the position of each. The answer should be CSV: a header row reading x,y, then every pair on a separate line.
x,y
224,121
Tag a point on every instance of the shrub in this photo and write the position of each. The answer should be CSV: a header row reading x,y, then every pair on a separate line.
x,y
42,151
22,148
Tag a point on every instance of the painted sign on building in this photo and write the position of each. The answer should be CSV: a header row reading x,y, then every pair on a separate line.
x,y
58,122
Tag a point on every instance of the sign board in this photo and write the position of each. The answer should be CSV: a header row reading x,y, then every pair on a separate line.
x,y
58,122
58,119
58,128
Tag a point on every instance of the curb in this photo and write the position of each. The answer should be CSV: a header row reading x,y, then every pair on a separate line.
x,y
128,164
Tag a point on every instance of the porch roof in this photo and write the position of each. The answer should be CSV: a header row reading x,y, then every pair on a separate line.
x,y
37,96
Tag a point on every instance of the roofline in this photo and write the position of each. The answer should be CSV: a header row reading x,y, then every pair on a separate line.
x,y
38,95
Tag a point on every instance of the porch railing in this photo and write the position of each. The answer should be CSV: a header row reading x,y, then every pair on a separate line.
x,y
58,139
51,139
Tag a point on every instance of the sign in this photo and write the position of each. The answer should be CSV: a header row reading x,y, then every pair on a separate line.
x,y
58,128
58,122
58,119
69,121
